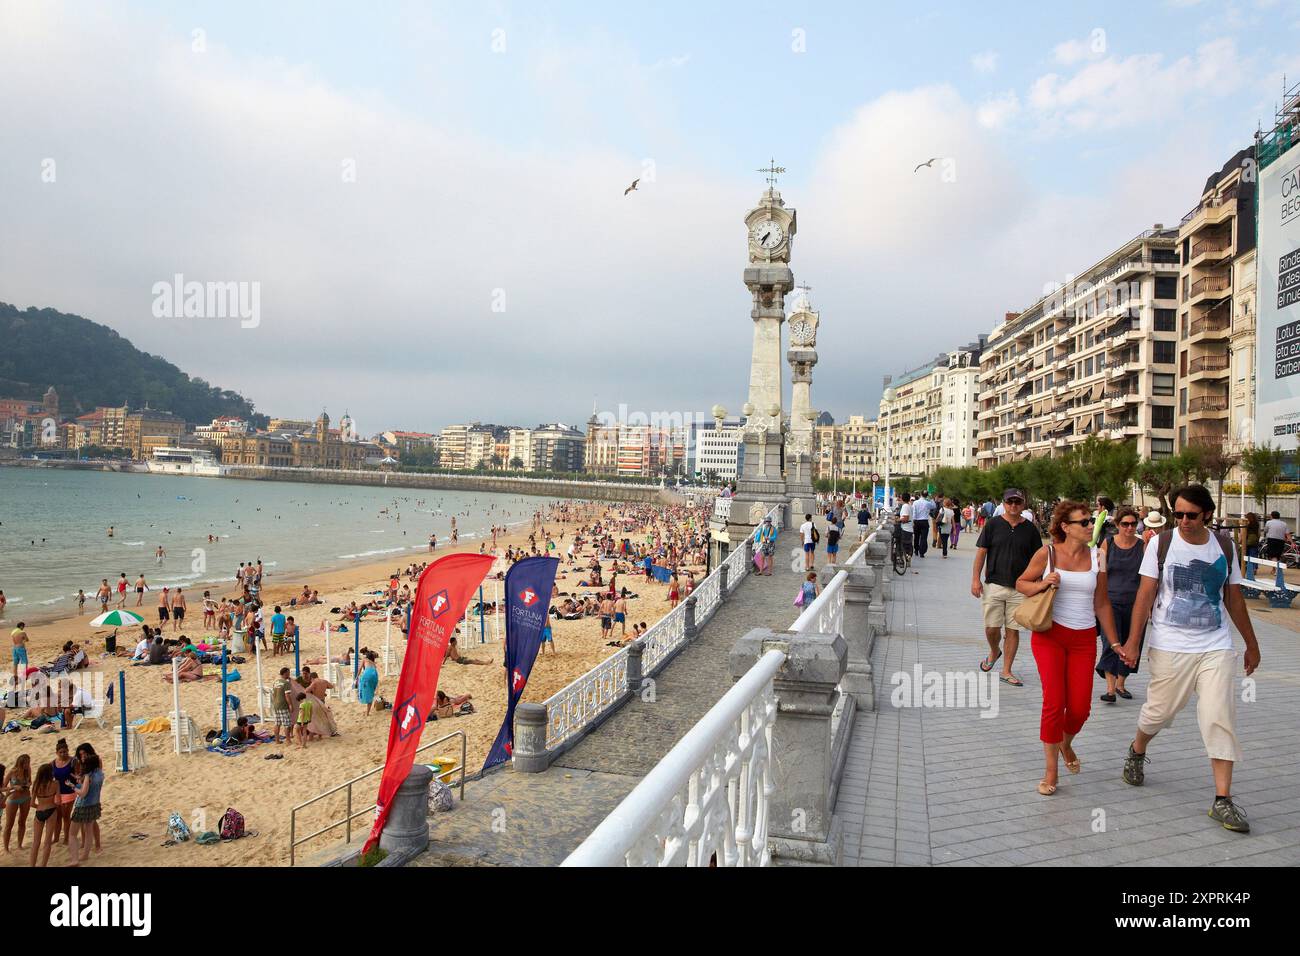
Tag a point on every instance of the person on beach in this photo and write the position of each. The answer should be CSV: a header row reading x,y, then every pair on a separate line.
x,y
620,612
86,808
17,788
178,609
446,707
19,638
209,612
103,594
45,793
164,606
278,623
1065,654
1004,548
140,588
62,770
1190,577
304,718
548,639
280,707
122,586
1123,557
454,654
368,681
81,603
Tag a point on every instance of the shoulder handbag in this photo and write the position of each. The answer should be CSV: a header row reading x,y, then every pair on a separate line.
x,y
1035,613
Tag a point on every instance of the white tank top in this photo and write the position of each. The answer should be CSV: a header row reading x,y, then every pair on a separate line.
x,y
1072,607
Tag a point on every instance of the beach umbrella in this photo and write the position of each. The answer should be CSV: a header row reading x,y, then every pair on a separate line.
x,y
118,618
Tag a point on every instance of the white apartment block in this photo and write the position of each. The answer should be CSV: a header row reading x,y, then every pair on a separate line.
x,y
715,452
960,410
1093,357
521,448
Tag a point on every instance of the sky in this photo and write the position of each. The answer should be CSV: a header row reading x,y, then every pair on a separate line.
x,y
427,198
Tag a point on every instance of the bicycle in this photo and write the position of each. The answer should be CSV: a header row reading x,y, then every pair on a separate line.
x,y
900,553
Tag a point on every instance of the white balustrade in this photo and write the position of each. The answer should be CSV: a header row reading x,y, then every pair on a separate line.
x,y
660,641
707,801
576,707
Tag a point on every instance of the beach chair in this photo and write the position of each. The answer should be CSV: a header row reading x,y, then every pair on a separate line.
x,y
95,713
191,740
134,744
232,713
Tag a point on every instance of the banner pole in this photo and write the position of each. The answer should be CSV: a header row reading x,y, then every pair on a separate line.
x,y
121,693
176,700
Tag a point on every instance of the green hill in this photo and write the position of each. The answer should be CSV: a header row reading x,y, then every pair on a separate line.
x,y
89,364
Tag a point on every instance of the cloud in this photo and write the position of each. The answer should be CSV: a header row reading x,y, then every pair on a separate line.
x,y
996,111
986,62
1115,92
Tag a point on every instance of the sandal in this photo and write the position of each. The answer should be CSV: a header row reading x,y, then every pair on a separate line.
x,y
1011,679
1045,788
986,665
1075,765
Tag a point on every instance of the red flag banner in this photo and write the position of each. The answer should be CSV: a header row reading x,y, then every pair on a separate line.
x,y
444,591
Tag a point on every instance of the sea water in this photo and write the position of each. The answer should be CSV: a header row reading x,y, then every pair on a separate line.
x,y
54,530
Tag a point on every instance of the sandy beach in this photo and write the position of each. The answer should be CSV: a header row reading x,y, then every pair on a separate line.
x,y
201,786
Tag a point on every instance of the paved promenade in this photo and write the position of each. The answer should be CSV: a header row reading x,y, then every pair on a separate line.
x,y
945,786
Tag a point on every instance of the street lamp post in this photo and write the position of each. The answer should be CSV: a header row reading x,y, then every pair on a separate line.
x,y
889,394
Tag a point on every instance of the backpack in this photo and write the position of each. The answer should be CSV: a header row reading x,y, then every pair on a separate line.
x,y
1165,539
816,536
231,826
176,828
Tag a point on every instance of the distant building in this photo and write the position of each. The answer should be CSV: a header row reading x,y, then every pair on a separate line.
x,y
316,447
147,429
398,443
714,452
519,453
556,447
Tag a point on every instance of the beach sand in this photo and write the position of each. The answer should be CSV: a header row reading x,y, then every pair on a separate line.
x,y
201,786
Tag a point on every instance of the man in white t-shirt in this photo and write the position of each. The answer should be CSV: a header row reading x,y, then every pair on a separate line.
x,y
1276,535
809,545
905,525
922,508
1189,646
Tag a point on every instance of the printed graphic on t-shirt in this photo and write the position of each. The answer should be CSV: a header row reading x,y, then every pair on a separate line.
x,y
1196,592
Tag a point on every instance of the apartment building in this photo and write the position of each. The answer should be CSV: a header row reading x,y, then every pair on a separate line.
x,y
451,444
959,409
858,449
1095,356
1216,242
556,447
520,451
910,412
714,453
828,451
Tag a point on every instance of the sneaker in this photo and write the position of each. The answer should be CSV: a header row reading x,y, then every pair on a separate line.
x,y
1230,815
1133,772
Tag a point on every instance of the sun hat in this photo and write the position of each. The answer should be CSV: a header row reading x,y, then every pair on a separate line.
x,y
1154,520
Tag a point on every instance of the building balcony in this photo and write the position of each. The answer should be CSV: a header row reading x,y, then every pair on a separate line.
x,y
1211,250
1209,431
1207,363
1213,406
1215,324
1208,290
1212,212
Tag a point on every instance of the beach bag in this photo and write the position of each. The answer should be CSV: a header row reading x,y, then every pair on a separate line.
x,y
440,797
232,824
816,536
1035,613
798,598
176,828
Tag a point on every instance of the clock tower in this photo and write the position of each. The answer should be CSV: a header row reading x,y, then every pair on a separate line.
x,y
802,356
770,228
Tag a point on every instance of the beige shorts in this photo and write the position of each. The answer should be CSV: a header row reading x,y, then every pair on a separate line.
x,y
1213,676
999,603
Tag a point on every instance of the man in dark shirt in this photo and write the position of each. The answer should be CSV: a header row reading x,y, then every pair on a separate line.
x,y
1006,544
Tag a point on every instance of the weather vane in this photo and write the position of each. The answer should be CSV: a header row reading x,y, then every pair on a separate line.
x,y
772,170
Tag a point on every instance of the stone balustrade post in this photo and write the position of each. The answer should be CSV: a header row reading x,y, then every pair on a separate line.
x,y
801,824
690,629
722,582
530,754
635,652
406,830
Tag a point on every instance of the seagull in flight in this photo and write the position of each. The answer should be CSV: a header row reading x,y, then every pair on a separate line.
x,y
632,187
932,161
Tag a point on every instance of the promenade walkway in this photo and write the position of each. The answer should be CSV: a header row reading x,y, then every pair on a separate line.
x,y
517,819
945,786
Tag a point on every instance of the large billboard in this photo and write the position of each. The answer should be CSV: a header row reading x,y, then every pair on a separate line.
x,y
1277,376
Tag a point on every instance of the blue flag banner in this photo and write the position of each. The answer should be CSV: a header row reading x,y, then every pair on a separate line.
x,y
528,600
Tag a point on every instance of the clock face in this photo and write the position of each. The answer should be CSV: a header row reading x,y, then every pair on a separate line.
x,y
767,234
801,331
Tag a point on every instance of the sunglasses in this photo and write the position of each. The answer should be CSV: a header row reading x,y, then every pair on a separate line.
x,y
1014,501
1188,515
1128,524
1084,521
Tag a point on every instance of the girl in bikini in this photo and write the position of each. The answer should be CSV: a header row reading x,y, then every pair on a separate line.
x,y
18,787
45,791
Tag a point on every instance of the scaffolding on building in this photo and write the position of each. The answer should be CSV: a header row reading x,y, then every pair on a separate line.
x,y
1286,128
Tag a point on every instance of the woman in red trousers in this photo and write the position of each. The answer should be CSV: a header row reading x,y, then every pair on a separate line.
x,y
1067,653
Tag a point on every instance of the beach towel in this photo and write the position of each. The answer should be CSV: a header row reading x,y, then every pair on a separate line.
x,y
154,725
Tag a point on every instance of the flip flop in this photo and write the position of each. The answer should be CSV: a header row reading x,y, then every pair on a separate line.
x,y
1045,788
1011,679
986,665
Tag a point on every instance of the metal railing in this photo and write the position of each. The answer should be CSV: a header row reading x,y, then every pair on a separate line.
x,y
706,801
295,842
1208,363
1208,403
1209,284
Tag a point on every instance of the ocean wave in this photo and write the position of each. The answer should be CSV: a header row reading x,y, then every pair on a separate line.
x,y
51,601
133,544
368,554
